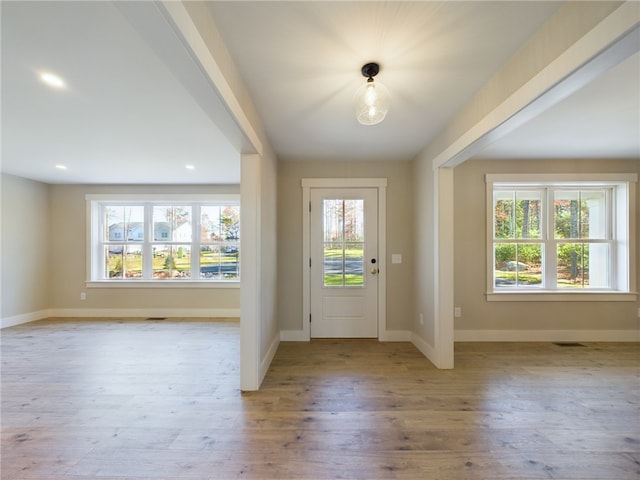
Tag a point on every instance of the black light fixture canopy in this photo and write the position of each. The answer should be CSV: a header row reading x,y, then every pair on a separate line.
x,y
370,70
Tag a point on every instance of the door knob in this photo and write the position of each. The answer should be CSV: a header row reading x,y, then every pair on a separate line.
x,y
374,271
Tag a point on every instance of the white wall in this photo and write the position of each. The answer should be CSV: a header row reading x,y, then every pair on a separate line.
x,y
26,250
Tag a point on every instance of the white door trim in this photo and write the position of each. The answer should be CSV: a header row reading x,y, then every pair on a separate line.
x,y
381,185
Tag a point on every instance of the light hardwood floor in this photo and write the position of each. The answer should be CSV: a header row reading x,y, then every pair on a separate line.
x,y
87,399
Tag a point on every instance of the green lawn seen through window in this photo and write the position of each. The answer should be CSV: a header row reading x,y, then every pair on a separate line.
x,y
181,263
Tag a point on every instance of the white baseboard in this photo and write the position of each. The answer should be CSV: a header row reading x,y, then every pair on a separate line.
x,y
120,313
268,358
147,312
388,336
293,336
24,318
395,336
426,349
547,335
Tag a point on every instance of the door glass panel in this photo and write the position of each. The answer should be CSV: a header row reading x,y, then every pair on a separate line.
x,y
343,243
354,264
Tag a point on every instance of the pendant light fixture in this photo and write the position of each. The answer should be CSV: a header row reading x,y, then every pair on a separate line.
x,y
372,98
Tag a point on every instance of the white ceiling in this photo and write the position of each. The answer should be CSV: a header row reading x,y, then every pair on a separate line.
x,y
301,62
601,120
124,116
137,108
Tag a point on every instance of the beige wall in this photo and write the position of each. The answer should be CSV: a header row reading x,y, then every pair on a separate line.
x,y
68,257
26,235
268,252
425,263
470,262
398,236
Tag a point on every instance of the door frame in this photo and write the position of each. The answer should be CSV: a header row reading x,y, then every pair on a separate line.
x,y
307,185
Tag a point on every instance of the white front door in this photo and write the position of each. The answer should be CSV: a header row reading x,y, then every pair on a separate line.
x,y
344,262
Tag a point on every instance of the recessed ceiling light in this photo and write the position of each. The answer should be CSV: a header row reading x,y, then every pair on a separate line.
x,y
190,167
52,80
61,167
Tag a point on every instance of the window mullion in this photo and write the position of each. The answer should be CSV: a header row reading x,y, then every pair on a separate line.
x,y
490,238
147,248
550,260
611,238
196,230
99,262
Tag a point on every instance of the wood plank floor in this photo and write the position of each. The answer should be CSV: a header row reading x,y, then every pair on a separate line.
x,y
133,399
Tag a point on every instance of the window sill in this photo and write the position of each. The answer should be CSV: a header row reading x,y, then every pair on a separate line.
x,y
548,296
161,284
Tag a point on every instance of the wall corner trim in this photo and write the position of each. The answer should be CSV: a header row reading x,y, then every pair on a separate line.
x,y
427,350
268,358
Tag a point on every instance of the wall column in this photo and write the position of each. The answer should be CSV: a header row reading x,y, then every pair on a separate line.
x,y
250,288
443,254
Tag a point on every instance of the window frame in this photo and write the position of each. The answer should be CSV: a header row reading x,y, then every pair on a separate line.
x,y
622,236
95,241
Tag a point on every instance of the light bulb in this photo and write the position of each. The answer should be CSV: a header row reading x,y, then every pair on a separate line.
x,y
370,96
371,103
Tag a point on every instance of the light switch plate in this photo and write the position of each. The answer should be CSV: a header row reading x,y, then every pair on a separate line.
x,y
396,258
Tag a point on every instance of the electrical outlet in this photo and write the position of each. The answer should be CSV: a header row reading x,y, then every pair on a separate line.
x,y
421,319
457,312
83,296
